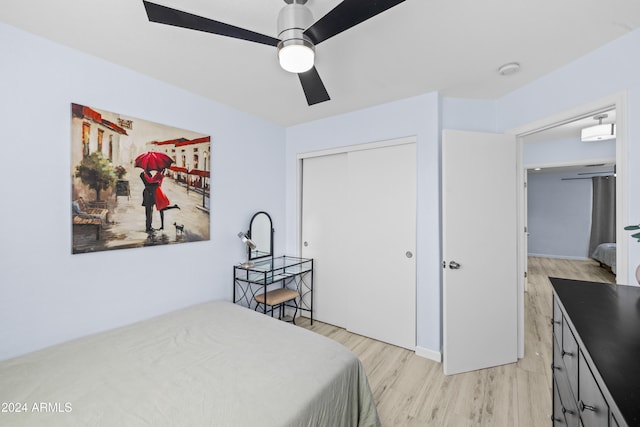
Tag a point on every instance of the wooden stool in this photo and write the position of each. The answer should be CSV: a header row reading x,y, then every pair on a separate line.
x,y
278,297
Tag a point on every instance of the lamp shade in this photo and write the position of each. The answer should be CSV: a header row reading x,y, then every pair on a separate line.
x,y
599,132
296,56
246,240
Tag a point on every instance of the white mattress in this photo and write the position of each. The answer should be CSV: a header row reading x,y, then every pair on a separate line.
x,y
214,364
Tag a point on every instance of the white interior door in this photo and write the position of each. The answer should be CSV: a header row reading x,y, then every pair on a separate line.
x,y
324,227
382,241
525,236
479,237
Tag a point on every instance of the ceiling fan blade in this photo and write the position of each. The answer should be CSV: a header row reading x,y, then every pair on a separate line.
x,y
177,18
347,14
313,87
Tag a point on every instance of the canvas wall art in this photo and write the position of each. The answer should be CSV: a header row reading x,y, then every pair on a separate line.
x,y
136,183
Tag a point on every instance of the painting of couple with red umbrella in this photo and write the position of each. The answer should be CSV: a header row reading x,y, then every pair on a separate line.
x,y
136,183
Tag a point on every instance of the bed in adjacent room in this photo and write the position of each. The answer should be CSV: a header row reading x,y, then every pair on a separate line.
x,y
605,254
214,364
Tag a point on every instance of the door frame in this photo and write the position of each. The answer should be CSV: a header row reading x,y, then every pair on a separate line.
x,y
617,101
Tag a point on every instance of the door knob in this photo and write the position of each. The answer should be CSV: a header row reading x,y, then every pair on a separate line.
x,y
409,254
306,244
454,265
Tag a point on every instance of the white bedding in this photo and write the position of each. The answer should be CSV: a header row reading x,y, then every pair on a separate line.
x,y
213,364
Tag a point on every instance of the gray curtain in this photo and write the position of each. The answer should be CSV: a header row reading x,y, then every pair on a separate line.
x,y
603,211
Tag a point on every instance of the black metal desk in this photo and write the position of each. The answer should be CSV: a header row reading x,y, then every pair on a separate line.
x,y
274,273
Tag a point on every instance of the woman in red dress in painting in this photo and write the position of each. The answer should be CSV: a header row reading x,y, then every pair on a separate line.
x,y
153,186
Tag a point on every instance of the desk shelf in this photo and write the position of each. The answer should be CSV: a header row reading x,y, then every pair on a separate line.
x,y
274,273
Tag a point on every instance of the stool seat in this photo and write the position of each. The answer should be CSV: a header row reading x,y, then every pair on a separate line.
x,y
276,296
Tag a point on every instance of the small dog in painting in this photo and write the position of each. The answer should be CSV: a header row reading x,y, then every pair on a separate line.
x,y
179,227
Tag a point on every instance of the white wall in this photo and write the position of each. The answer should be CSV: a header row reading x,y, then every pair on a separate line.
x,y
417,116
559,221
48,295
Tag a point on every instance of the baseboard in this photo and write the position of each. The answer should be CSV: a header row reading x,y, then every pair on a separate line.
x,y
436,356
576,258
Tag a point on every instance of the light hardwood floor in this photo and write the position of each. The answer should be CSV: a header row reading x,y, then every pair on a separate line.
x,y
412,391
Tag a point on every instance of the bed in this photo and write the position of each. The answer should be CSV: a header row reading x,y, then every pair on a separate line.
x,y
605,254
213,364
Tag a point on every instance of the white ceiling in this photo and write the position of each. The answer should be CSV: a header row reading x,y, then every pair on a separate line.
x,y
419,46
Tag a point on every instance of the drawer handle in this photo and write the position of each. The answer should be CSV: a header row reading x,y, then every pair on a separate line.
x,y
587,407
557,419
567,411
567,353
557,368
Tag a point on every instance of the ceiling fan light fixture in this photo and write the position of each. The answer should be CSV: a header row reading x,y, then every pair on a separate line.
x,y
296,55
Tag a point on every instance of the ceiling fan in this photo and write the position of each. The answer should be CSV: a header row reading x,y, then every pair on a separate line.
x,y
297,33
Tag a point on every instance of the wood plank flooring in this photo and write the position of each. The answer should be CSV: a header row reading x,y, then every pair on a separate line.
x,y
412,391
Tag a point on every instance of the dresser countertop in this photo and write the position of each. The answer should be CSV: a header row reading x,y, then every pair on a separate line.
x,y
607,319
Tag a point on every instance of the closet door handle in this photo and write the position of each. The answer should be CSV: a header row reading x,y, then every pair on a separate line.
x,y
454,265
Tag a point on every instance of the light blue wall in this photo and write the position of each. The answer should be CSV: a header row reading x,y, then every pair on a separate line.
x,y
559,215
469,114
419,117
559,212
612,69
48,295
567,151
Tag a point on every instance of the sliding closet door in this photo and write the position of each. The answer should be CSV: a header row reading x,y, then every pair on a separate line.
x,y
359,224
381,241
324,229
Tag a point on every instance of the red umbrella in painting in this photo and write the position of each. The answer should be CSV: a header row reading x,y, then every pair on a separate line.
x,y
153,161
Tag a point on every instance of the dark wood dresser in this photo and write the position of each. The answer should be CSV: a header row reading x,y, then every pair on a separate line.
x,y
596,354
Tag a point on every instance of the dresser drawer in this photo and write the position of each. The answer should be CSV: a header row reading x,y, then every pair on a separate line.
x,y
558,415
557,322
565,411
567,403
570,356
594,410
